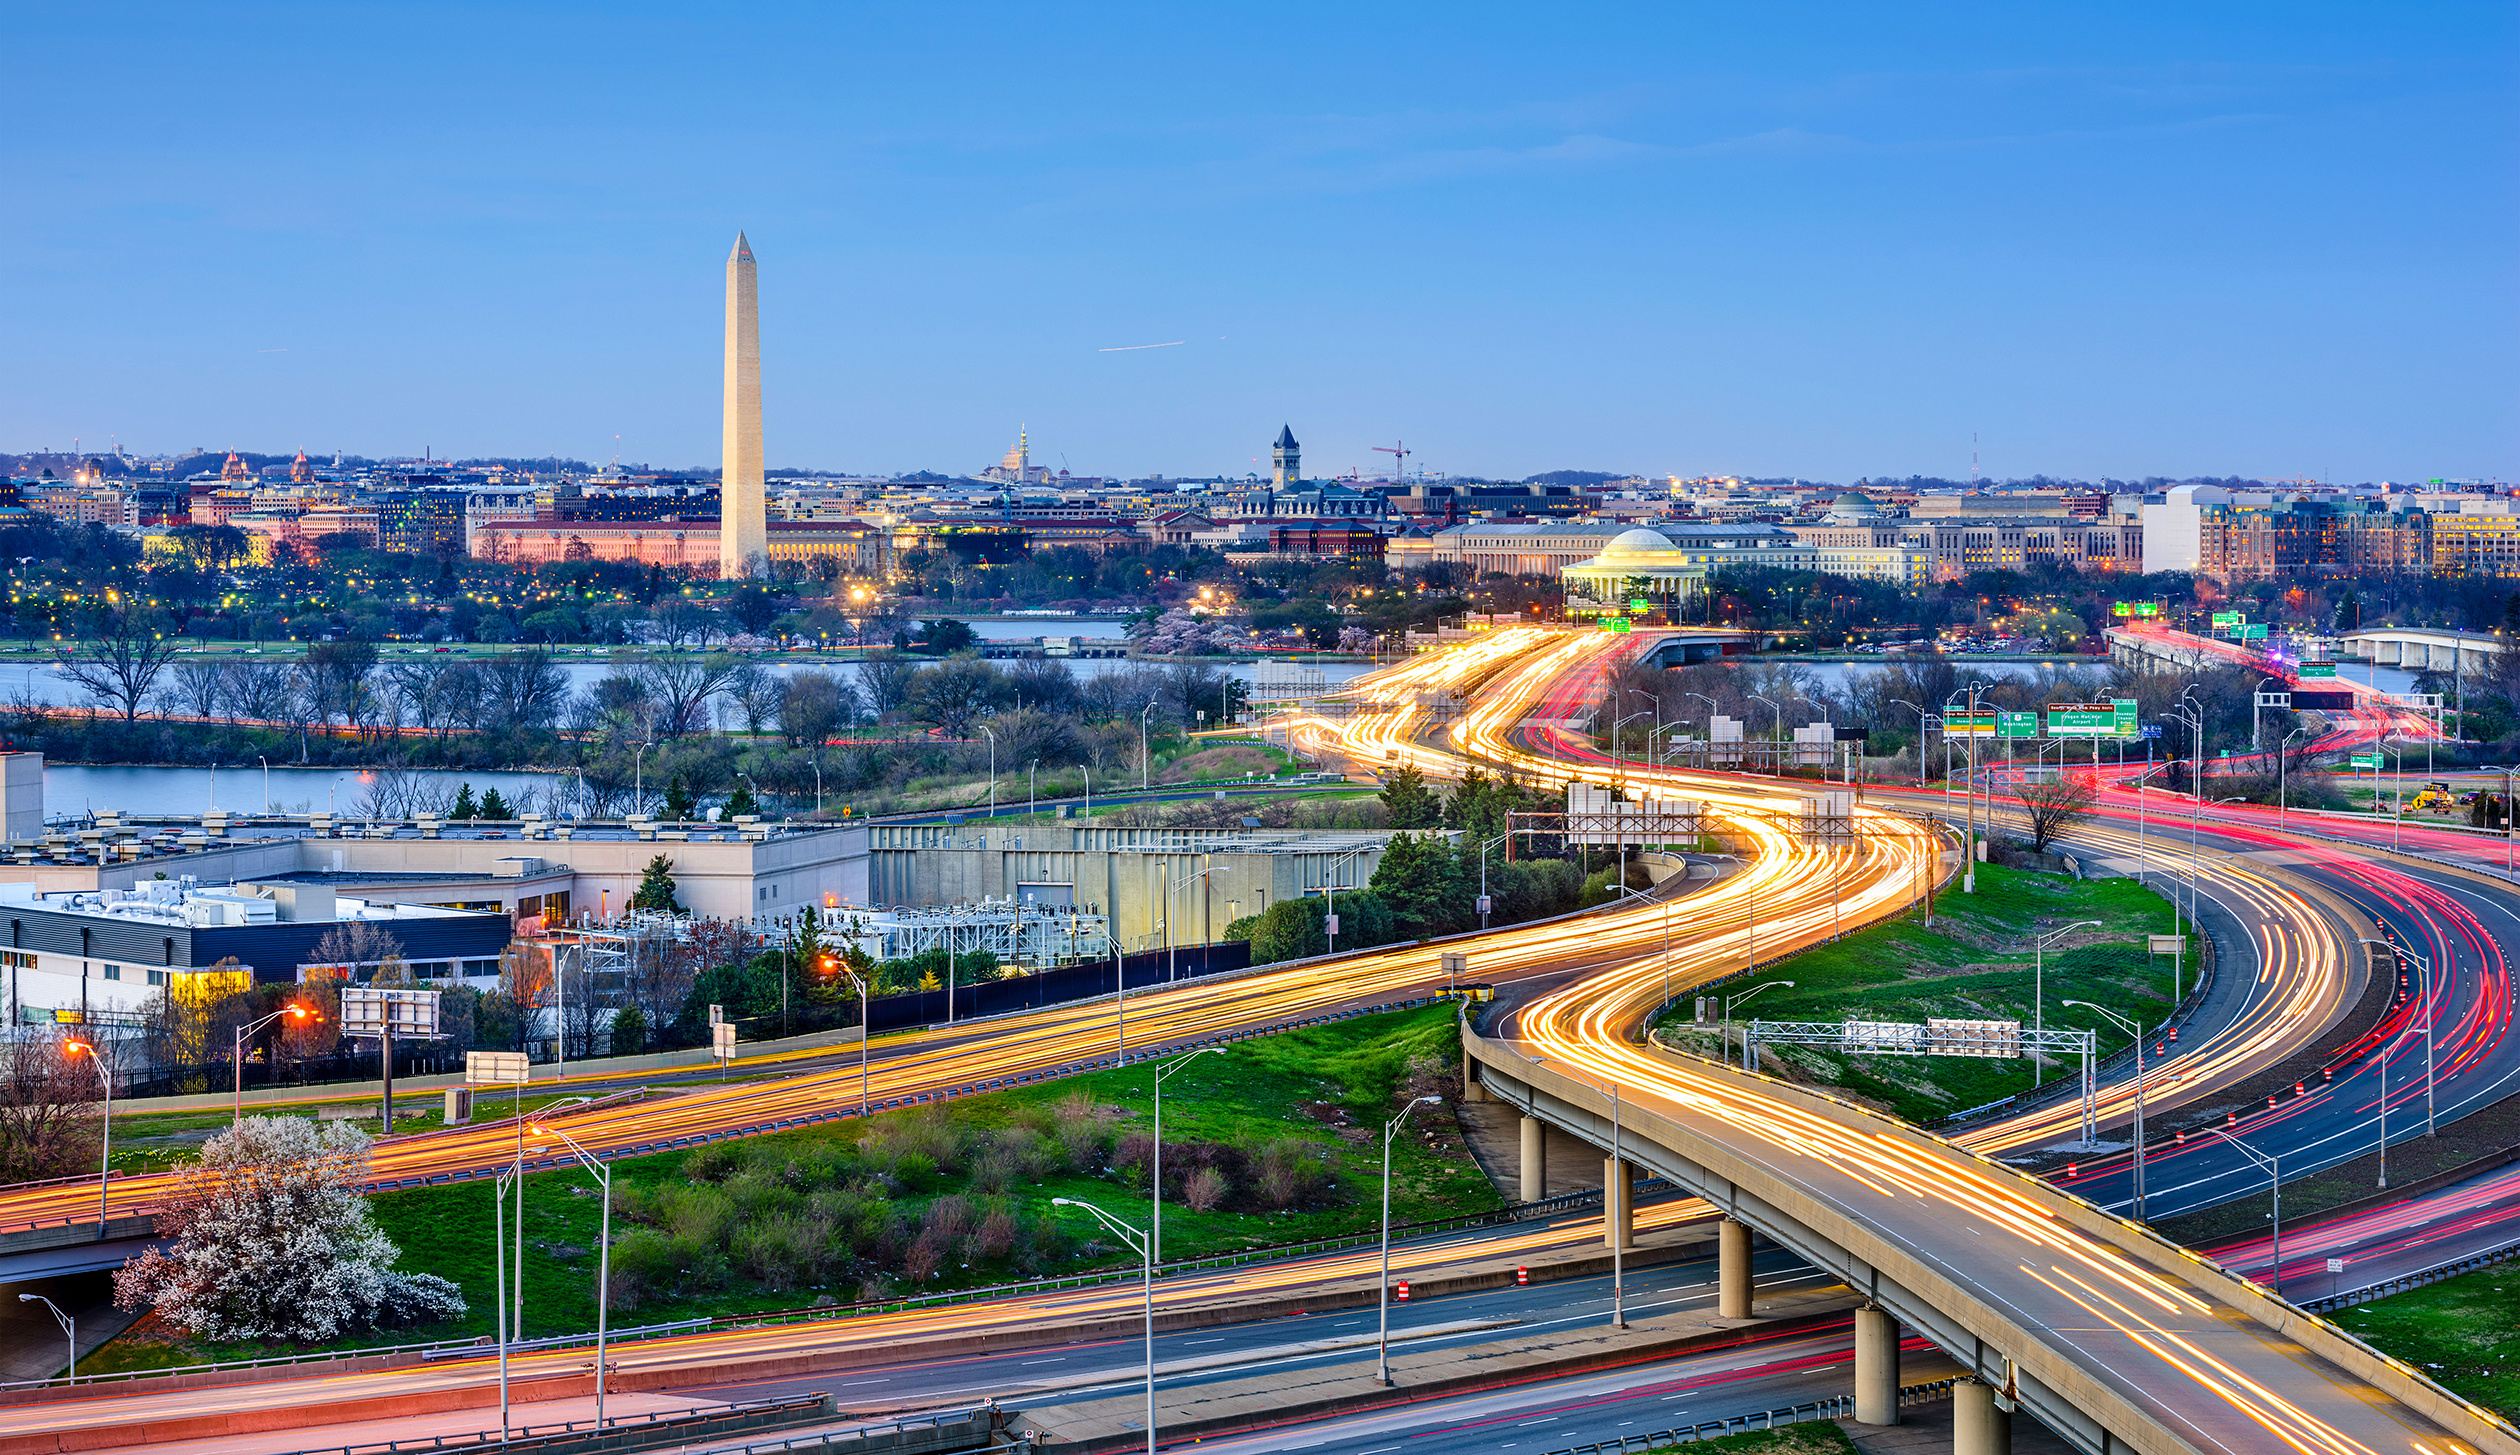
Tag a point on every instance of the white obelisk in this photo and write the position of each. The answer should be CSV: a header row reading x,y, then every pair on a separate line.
x,y
743,526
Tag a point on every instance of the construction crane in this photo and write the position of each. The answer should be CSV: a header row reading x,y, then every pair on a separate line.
x,y
1399,452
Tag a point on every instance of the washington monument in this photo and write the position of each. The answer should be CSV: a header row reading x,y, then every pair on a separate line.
x,y
743,528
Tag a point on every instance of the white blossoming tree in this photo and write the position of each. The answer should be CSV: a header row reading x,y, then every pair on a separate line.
x,y
272,1240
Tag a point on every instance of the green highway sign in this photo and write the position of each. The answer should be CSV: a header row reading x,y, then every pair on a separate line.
x,y
2017,724
2318,671
2134,608
2366,760
2112,719
2251,632
1639,603
1971,724
2227,618
1615,624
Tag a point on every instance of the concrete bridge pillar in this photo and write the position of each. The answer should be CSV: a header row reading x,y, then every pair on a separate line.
x,y
1732,1270
1535,1159
1977,1427
1618,1203
1876,1367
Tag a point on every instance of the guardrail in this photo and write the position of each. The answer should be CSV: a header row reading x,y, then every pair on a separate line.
x,y
434,1349
1836,1407
620,1432
2405,1281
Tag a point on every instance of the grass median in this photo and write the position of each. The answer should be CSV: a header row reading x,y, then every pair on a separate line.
x,y
2463,1331
1975,963
1271,1141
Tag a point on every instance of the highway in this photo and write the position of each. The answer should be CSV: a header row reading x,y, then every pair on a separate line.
x,y
2130,1326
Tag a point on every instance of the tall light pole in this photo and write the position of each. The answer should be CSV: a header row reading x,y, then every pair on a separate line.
x,y
2423,997
1483,892
1779,764
237,1059
603,1258
1618,1155
266,767
2135,1029
992,732
2038,982
1382,1297
1732,1000
105,1157
638,779
1145,1245
69,1326
2282,759
2275,1198
1031,788
1710,726
1156,1223
866,1023
1921,715
1145,758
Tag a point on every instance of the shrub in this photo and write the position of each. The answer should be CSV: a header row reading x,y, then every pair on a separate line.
x,y
1290,1171
713,1163
1205,1189
998,1233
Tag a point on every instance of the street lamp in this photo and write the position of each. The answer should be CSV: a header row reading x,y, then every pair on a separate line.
x,y
2282,760
603,1259
69,1326
1156,1223
1709,760
1732,1000
1483,890
1779,764
1145,759
866,1027
2423,997
2196,805
2135,1029
1145,1245
2275,1198
638,778
105,1158
1382,1296
992,732
266,767
1921,715
2038,951
1617,1230
237,1058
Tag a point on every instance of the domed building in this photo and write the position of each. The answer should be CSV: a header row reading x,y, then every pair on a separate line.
x,y
1640,564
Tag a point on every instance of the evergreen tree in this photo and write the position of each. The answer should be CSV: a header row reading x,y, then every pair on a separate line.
x,y
1419,880
495,808
2349,611
740,802
629,1030
464,807
680,804
1411,804
656,887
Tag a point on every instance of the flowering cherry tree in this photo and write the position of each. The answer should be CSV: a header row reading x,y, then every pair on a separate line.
x,y
272,1240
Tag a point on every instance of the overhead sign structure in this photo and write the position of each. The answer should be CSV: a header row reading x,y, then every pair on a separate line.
x,y
2317,672
2112,719
2134,608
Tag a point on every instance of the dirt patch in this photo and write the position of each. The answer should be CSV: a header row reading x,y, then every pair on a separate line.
x,y
1215,763
1328,1113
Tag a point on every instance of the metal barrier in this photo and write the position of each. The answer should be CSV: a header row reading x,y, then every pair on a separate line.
x,y
626,1430
2406,1281
1836,1407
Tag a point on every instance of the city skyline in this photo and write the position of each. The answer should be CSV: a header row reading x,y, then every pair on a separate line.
x,y
2139,244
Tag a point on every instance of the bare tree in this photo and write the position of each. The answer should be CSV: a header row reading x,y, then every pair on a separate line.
x,y
886,682
2053,808
522,690
355,942
757,694
683,687
119,659
47,1101
681,623
199,689
260,690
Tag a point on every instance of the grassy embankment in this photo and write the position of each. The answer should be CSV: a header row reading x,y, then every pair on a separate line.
x,y
1975,963
2464,1332
829,1214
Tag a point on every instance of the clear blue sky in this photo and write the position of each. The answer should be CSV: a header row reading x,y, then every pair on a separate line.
x,y
1816,240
